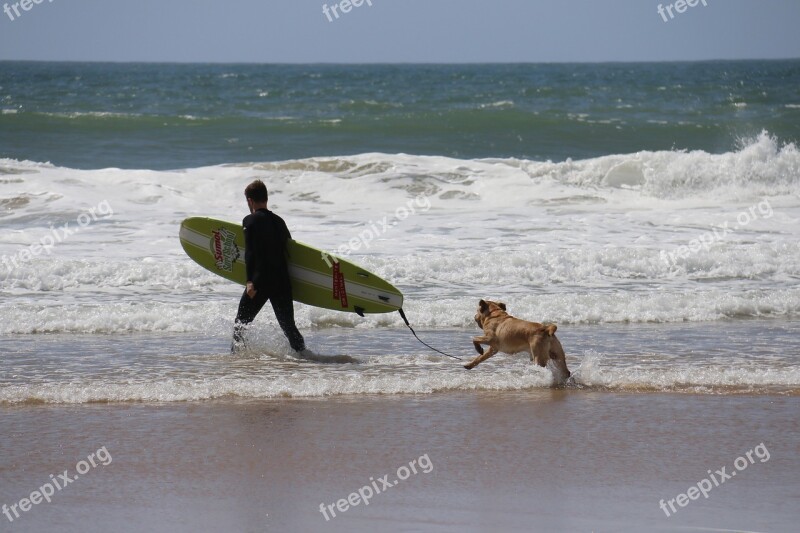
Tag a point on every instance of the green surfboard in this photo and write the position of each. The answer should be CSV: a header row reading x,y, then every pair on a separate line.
x,y
317,278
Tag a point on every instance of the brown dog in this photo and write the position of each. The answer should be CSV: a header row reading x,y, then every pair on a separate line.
x,y
504,333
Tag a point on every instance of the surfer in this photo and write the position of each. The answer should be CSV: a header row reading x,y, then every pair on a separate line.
x,y
265,236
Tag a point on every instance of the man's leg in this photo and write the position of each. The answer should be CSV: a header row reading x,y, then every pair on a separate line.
x,y
284,312
248,309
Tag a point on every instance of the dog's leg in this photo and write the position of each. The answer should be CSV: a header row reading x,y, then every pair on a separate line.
x,y
481,358
477,341
540,349
558,355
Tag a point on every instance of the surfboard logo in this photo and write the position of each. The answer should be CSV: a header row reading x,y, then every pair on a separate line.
x,y
339,289
224,249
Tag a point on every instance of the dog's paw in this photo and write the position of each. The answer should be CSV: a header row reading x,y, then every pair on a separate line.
x,y
469,366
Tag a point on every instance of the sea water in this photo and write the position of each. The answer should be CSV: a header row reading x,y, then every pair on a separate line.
x,y
650,210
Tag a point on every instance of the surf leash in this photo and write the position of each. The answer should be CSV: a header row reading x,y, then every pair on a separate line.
x,y
402,314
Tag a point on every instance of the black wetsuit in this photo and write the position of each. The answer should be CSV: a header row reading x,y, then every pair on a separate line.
x,y
265,236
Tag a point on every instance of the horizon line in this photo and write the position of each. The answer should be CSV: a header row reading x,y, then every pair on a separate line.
x,y
390,63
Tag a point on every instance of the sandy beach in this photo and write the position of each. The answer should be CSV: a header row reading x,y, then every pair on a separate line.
x,y
541,460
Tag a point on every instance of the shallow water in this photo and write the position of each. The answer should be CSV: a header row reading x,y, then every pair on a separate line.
x,y
733,357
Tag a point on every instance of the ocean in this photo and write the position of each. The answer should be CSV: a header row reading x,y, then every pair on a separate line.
x,y
167,117
585,195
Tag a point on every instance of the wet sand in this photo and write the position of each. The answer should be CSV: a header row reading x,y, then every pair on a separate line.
x,y
540,460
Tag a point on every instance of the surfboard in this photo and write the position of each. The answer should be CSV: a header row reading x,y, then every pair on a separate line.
x,y
317,278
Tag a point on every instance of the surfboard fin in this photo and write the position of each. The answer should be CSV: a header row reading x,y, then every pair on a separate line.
x,y
359,311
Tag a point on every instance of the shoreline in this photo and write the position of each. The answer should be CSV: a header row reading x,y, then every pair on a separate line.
x,y
546,460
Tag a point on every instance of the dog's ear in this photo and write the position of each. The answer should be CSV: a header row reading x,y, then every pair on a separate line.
x,y
482,305
550,329
501,305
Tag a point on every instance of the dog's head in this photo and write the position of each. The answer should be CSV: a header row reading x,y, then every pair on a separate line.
x,y
485,310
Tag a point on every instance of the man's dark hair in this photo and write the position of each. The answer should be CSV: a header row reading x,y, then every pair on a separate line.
x,y
256,191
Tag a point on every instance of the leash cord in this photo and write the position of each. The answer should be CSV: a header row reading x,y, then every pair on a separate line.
x,y
402,314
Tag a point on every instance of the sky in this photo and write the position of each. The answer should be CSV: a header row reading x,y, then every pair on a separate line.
x,y
397,31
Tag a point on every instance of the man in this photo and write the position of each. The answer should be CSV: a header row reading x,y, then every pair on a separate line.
x,y
265,236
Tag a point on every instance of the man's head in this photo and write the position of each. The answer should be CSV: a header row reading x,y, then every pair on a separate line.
x,y
256,194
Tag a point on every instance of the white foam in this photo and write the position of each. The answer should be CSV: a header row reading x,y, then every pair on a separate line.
x,y
598,240
505,104
392,375
737,375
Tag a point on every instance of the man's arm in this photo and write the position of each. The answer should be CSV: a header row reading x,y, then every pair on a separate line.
x,y
249,255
